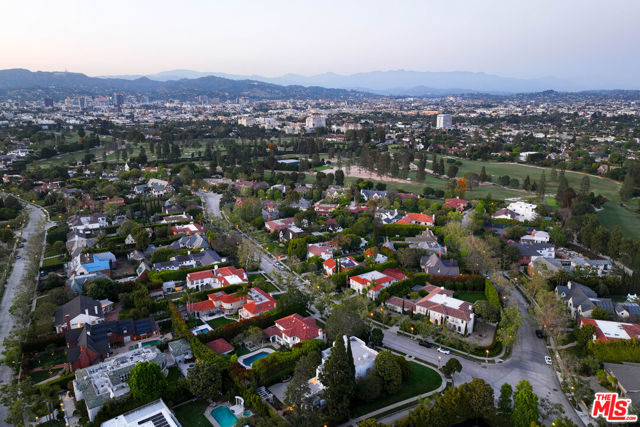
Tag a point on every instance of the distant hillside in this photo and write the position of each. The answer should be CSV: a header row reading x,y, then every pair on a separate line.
x,y
23,82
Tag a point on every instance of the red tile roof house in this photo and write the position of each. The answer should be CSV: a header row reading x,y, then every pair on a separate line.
x,y
400,305
278,224
416,218
331,265
323,250
258,302
457,204
201,280
225,276
294,329
324,209
187,229
374,281
220,346
440,306
202,308
228,303
611,331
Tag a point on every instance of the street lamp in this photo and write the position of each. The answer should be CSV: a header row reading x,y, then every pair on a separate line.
x,y
439,360
487,351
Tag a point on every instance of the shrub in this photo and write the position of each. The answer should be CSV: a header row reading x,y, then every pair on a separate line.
x,y
277,365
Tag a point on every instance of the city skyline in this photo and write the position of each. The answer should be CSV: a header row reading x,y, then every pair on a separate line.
x,y
580,41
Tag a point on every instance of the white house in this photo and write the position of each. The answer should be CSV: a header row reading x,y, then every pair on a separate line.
x,y
441,308
536,236
201,280
80,311
294,329
524,211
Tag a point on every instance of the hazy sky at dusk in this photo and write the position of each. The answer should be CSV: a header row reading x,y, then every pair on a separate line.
x,y
587,40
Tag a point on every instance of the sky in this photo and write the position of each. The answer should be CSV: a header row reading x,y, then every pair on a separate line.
x,y
593,42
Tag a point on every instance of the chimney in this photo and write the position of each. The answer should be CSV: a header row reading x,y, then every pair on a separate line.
x,y
96,308
67,320
86,311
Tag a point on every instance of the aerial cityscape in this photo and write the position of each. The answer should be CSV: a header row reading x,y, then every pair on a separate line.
x,y
284,215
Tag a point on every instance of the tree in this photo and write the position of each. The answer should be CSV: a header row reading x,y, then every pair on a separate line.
x,y
298,248
600,314
626,191
339,177
505,400
487,311
376,337
346,319
386,367
508,327
563,186
205,380
452,171
298,394
563,422
477,398
552,313
525,405
452,366
248,256
369,387
542,185
337,376
585,186
483,175
146,381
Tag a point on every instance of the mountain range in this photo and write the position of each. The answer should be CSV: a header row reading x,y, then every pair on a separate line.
x,y
27,83
394,82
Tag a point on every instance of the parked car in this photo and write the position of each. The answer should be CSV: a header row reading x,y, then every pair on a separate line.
x,y
443,350
547,360
539,334
425,343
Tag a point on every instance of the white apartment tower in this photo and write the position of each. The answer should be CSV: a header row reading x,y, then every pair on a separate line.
x,y
443,121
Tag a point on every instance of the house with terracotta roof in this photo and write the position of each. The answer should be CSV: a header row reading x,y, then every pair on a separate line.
x,y
416,218
201,308
258,302
457,204
294,329
337,265
400,305
200,279
220,346
225,276
376,255
278,224
443,309
188,229
228,303
323,250
374,281
607,330
325,209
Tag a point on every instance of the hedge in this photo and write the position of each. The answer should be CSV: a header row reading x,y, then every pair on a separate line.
x,y
40,344
402,230
617,351
340,279
402,287
463,282
279,364
492,294
168,275
62,381
231,330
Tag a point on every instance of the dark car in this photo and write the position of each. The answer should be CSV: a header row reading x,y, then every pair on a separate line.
x,y
539,334
425,343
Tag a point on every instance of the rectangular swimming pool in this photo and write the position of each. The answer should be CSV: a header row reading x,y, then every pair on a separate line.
x,y
224,416
249,360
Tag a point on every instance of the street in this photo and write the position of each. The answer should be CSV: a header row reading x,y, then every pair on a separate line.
x,y
36,218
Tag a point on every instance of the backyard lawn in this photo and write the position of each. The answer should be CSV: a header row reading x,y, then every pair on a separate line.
x,y
421,380
38,376
219,321
192,414
471,297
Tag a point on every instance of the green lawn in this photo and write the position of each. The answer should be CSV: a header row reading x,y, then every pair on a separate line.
x,y
268,287
421,380
47,359
174,374
192,414
220,321
471,297
36,377
613,214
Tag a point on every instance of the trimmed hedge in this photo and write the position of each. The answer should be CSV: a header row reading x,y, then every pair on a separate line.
x,y
168,275
279,364
340,279
40,344
492,294
617,351
463,282
402,230
402,287
60,381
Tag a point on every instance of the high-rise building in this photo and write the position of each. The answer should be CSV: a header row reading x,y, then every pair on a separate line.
x,y
443,121
118,99
315,121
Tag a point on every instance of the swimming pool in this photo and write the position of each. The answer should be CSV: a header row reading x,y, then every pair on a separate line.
x,y
224,416
150,343
249,360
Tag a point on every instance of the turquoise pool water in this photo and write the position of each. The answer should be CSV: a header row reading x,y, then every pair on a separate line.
x,y
249,360
203,331
224,416
150,343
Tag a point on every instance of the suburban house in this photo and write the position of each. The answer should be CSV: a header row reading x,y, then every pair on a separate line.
x,y
400,305
373,195
524,211
194,241
607,330
225,276
278,224
581,299
504,213
78,240
258,302
536,236
416,218
228,303
530,251
91,263
442,309
337,265
457,204
290,233
628,309
201,308
156,413
78,312
200,280
374,281
170,219
324,209
188,229
377,256
294,329
323,250
220,346
94,221
436,266
159,187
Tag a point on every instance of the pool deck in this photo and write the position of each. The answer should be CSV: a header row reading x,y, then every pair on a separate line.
x,y
207,414
241,359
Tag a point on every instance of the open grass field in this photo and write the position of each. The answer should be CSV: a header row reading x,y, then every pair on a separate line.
x,y
421,380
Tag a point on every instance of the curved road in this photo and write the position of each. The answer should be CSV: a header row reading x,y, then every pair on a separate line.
x,y
36,219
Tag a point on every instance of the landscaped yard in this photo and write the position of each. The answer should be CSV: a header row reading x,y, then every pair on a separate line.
x,y
174,374
38,376
192,414
219,321
471,297
48,359
421,380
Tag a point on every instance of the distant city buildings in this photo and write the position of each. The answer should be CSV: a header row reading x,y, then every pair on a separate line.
x,y
444,121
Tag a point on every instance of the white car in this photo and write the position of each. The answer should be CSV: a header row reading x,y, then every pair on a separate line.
x,y
547,360
443,350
